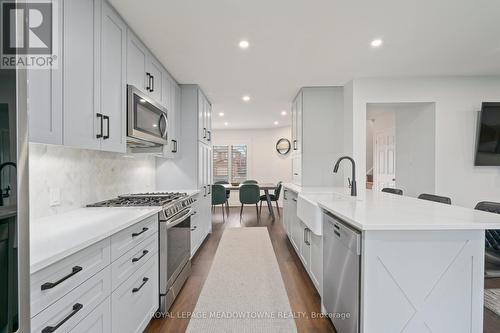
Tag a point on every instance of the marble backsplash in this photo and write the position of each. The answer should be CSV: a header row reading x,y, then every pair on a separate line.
x,y
83,177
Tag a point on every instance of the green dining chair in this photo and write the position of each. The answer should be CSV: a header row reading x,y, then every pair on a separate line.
x,y
228,192
250,195
250,181
274,197
219,197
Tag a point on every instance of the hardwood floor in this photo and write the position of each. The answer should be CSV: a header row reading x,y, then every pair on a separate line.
x,y
491,319
303,297
301,292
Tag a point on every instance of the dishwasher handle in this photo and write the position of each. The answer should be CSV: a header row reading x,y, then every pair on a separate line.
x,y
349,237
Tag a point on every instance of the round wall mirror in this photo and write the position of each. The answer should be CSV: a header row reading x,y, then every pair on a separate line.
x,y
283,146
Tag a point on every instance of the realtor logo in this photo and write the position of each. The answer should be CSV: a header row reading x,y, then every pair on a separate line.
x,y
29,34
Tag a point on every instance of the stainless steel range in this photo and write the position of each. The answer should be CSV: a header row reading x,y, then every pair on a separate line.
x,y
174,234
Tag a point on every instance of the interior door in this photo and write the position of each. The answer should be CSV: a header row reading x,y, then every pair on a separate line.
x,y
385,159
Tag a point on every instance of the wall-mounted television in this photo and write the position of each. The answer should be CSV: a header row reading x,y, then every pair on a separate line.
x,y
488,138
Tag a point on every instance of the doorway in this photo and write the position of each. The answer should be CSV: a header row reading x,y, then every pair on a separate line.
x,y
400,147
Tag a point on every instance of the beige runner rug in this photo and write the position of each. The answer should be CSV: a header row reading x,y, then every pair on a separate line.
x,y
244,291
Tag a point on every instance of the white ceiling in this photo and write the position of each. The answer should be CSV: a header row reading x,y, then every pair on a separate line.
x,y
296,43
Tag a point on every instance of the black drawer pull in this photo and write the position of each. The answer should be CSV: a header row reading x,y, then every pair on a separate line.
x,y
336,233
336,226
193,228
50,285
142,255
294,199
135,234
144,280
49,329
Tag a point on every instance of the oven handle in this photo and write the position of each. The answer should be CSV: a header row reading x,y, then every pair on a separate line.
x,y
180,219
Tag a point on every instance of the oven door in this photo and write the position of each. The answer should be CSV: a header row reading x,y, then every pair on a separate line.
x,y
146,120
178,245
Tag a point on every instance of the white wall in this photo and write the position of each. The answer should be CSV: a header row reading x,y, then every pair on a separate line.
x,y
415,148
457,101
264,163
83,177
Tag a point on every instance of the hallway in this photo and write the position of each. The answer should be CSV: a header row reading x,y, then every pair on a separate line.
x,y
304,299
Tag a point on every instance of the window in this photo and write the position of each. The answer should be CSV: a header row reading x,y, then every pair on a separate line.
x,y
230,163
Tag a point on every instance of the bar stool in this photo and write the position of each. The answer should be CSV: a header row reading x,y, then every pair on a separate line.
x,y
435,198
392,190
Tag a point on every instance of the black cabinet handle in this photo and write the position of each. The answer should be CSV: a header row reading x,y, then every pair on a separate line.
x,y
144,280
107,127
135,234
336,233
141,256
209,135
204,133
294,144
294,199
193,228
175,146
336,226
49,329
148,88
152,83
50,285
99,135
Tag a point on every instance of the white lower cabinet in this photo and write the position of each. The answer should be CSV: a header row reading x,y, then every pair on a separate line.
x,y
134,303
201,221
53,282
110,286
316,268
98,321
309,247
68,311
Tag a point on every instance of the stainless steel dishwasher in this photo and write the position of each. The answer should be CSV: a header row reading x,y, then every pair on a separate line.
x,y
341,273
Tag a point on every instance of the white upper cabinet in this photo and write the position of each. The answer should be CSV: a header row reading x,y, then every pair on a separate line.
x,y
113,84
155,73
80,125
144,71
137,57
45,111
204,118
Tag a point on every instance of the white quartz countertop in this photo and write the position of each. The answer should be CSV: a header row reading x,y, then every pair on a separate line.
x,y
374,210
55,237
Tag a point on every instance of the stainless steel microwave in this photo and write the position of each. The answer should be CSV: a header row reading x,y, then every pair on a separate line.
x,y
147,122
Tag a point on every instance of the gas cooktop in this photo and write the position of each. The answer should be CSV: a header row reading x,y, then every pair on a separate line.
x,y
142,199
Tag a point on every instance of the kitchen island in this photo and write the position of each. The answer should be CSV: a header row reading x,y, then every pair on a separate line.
x,y
421,264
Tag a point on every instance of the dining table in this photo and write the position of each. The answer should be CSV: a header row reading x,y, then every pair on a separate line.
x,y
266,187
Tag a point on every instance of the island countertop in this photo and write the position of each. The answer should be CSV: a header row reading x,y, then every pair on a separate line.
x,y
375,210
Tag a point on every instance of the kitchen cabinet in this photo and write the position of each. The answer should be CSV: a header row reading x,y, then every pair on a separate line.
x,y
204,119
112,80
316,263
172,91
307,245
144,71
82,104
317,117
81,127
45,109
137,58
100,288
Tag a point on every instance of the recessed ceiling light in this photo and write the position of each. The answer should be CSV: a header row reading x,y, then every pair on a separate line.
x,y
283,113
276,123
246,98
377,42
226,123
221,114
244,44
